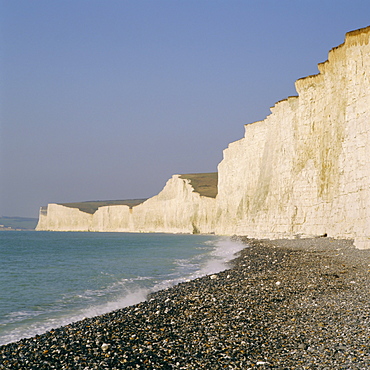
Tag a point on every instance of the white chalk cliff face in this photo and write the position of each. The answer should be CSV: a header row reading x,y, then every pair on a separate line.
x,y
176,209
57,217
303,171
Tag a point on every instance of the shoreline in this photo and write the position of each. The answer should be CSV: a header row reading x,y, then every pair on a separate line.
x,y
283,304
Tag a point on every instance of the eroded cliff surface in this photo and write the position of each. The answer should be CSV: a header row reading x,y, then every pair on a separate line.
x,y
305,169
185,205
57,217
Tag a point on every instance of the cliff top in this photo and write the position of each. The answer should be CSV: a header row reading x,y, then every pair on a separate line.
x,y
359,36
92,206
203,183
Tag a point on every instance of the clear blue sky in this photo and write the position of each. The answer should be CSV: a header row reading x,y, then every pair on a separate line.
x,y
104,100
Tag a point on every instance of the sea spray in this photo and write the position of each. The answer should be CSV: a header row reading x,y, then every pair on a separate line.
x,y
225,250
53,279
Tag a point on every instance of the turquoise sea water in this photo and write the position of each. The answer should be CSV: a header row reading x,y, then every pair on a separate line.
x,y
49,279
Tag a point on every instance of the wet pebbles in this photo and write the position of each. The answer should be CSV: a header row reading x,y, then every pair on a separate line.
x,y
299,304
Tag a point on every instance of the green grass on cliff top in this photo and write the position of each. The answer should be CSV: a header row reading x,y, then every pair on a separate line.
x,y
203,183
92,206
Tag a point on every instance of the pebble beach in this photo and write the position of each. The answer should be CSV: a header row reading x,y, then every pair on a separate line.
x,y
282,304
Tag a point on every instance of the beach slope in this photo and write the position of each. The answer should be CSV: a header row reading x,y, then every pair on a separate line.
x,y
286,304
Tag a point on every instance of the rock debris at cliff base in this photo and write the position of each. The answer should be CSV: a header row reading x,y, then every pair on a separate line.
x,y
298,304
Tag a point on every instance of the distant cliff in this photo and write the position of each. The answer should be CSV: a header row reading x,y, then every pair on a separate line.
x,y
303,171
185,205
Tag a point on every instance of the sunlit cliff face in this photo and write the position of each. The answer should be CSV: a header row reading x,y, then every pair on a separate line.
x,y
304,170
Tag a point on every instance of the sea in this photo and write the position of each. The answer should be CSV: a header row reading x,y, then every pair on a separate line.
x,y
50,279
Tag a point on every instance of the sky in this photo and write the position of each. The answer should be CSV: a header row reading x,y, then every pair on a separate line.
x,y
107,99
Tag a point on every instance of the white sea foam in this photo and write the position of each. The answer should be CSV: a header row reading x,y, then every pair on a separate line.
x,y
225,250
128,291
46,324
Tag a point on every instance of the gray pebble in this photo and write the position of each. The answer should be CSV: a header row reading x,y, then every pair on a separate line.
x,y
314,318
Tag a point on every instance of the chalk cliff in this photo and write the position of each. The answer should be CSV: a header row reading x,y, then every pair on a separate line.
x,y
303,171
57,217
185,205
